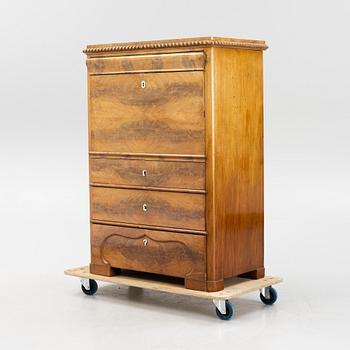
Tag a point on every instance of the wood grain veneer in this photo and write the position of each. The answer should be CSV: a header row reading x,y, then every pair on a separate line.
x,y
183,210
167,116
168,253
238,179
190,113
175,62
149,173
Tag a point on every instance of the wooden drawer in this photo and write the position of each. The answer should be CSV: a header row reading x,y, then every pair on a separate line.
x,y
151,173
169,209
166,116
173,254
147,63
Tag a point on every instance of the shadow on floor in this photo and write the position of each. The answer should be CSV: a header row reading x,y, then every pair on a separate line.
x,y
172,303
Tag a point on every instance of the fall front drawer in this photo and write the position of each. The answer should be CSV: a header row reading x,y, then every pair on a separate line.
x,y
168,209
147,113
173,254
154,173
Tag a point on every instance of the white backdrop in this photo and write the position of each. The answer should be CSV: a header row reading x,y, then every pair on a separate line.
x,y
44,183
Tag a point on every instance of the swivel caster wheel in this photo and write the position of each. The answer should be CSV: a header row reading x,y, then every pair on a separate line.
x,y
269,297
224,309
89,287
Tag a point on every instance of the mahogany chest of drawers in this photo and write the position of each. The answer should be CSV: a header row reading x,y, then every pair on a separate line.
x,y
176,159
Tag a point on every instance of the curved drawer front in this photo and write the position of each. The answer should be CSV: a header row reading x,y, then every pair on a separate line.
x,y
160,113
168,209
173,254
135,172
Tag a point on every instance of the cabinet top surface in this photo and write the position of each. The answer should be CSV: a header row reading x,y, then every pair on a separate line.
x,y
176,43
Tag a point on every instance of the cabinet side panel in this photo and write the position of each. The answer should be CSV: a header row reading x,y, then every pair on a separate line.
x,y
239,162
215,277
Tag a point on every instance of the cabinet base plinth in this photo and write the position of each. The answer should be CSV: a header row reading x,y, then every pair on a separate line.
x,y
195,284
214,286
104,270
254,274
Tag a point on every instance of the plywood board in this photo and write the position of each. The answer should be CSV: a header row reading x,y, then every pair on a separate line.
x,y
233,287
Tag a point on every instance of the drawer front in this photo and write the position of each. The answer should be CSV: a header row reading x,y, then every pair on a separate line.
x,y
168,209
154,173
173,254
159,113
147,63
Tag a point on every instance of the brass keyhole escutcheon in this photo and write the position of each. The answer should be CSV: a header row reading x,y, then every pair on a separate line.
x,y
144,172
144,207
143,84
145,242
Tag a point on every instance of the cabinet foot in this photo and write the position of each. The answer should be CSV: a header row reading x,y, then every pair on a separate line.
x,y
104,270
215,286
195,284
254,274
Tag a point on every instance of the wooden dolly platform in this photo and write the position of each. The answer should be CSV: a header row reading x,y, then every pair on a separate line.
x,y
224,309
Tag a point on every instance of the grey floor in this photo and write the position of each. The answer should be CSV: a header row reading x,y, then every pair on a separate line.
x,y
50,312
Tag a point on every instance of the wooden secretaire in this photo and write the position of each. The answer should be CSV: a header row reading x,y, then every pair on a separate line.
x,y
176,159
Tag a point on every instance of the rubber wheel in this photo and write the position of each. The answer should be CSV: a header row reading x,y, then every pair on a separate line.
x,y
93,288
272,299
229,312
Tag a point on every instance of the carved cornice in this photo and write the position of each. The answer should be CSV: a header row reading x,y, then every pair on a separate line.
x,y
179,43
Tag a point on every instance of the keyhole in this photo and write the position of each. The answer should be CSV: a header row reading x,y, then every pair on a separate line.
x,y
144,207
143,84
145,241
144,172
